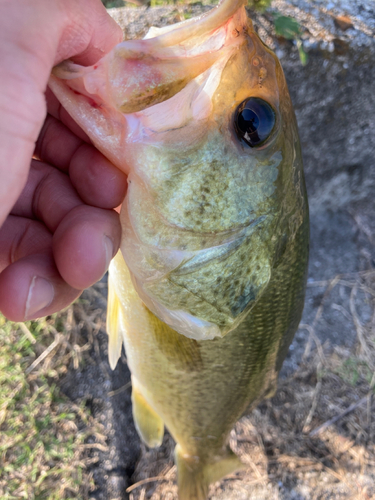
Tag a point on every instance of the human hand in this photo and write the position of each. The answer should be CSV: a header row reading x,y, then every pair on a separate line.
x,y
60,234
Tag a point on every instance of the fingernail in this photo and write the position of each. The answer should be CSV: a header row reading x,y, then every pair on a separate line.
x,y
41,293
108,246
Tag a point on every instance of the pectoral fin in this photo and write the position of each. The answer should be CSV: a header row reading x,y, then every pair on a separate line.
x,y
113,325
149,425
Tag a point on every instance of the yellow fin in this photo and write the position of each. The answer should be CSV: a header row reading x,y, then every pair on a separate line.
x,y
194,478
113,325
149,425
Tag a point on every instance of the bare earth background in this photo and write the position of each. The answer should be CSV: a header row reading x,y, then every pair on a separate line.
x,y
315,438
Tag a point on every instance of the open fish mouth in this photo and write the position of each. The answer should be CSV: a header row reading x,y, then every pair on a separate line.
x,y
139,74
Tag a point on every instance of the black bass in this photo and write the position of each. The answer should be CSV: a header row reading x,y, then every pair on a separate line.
x,y
208,289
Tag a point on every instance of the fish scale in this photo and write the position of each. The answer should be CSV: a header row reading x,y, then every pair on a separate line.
x,y
208,289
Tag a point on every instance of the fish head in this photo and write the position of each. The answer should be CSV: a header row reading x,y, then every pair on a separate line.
x,y
199,116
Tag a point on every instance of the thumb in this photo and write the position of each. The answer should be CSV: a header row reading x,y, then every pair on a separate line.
x,y
88,34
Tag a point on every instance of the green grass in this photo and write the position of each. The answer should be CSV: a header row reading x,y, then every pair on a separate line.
x,y
354,370
41,433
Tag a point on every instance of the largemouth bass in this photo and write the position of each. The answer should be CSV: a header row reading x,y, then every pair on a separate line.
x,y
208,289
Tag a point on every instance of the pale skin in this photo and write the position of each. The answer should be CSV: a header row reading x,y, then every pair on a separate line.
x,y
58,227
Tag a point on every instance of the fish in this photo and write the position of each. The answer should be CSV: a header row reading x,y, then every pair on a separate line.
x,y
208,288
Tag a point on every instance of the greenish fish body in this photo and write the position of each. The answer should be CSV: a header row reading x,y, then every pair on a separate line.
x,y
208,289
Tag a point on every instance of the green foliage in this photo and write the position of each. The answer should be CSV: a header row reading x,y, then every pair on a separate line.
x,y
290,29
354,370
302,53
286,27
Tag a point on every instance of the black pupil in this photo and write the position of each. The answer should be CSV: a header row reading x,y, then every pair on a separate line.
x,y
254,121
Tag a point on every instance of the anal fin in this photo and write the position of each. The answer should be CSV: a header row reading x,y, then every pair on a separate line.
x,y
194,478
149,425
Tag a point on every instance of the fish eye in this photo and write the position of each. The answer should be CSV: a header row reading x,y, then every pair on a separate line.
x,y
254,121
